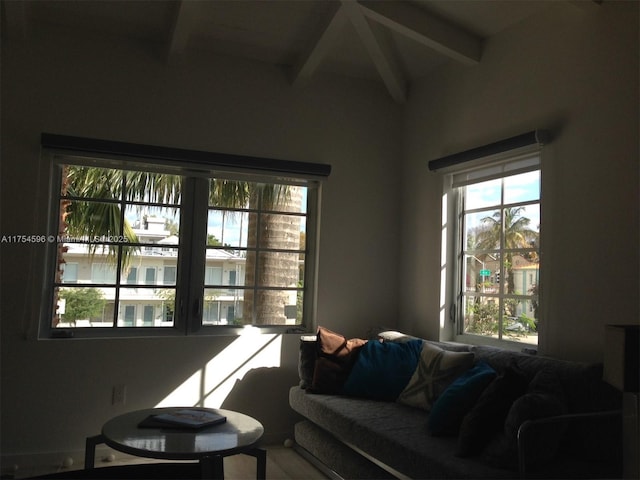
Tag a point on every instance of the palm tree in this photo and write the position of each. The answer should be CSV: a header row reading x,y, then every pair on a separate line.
x,y
91,206
517,235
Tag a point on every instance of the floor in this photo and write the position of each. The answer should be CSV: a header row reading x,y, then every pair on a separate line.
x,y
282,464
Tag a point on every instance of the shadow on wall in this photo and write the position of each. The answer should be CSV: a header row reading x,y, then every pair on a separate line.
x,y
263,393
246,376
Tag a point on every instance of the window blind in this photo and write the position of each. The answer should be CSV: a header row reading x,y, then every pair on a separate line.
x,y
188,159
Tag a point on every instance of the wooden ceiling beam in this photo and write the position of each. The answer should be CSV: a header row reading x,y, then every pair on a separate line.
x,y
378,45
318,47
426,29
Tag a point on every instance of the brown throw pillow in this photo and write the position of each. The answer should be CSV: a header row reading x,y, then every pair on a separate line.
x,y
335,358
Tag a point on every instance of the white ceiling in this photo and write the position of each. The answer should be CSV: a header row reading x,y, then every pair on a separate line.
x,y
395,41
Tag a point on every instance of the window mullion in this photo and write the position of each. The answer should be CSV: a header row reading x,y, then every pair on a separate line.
x,y
191,268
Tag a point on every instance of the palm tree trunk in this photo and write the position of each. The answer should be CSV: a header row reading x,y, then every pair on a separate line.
x,y
270,268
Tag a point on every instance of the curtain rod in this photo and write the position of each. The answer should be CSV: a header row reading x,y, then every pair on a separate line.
x,y
535,137
244,162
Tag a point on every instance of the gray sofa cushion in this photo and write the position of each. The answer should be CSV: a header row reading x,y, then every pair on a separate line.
x,y
392,433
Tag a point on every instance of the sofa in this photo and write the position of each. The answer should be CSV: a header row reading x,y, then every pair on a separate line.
x,y
396,406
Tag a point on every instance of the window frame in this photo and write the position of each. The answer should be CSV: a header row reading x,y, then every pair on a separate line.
x,y
188,305
453,258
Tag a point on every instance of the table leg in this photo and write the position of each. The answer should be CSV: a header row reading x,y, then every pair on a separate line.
x,y
261,461
90,450
212,467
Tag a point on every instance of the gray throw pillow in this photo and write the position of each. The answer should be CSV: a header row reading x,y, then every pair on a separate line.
x,y
436,370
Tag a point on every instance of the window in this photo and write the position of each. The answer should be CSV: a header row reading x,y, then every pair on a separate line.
x,y
132,275
150,275
500,225
129,316
69,272
169,277
491,216
207,250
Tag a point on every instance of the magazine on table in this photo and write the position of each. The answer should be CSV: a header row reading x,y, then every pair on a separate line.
x,y
183,418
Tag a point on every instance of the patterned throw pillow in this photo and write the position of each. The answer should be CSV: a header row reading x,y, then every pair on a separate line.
x,y
437,369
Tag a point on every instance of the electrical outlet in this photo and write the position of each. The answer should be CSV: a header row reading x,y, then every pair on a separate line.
x,y
119,395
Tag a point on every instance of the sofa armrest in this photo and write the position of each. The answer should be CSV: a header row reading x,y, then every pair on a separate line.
x,y
526,432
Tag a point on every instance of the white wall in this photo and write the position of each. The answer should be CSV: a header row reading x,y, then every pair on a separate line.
x,y
571,71
55,393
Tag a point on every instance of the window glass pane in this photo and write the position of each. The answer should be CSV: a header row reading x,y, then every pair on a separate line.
x,y
481,315
271,307
520,320
481,273
164,300
482,230
227,228
90,221
91,182
274,269
158,225
522,188
483,194
83,307
150,187
222,306
521,272
522,226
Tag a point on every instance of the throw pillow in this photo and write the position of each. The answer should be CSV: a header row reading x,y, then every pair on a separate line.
x,y
383,369
488,415
544,398
450,408
437,368
335,358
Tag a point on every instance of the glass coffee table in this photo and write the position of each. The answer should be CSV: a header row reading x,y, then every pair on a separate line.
x,y
209,445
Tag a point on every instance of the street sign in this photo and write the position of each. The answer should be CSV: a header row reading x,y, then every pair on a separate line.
x,y
485,273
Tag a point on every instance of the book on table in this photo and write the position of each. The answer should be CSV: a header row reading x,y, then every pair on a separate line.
x,y
183,418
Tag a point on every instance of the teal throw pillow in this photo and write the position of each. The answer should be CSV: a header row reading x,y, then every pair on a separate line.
x,y
458,399
383,369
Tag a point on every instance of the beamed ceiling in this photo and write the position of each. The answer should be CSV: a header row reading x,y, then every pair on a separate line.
x,y
394,42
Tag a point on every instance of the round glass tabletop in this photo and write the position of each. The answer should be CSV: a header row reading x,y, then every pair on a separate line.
x,y
240,432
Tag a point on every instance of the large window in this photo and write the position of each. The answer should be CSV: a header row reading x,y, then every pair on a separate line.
x,y
157,248
500,225
495,211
